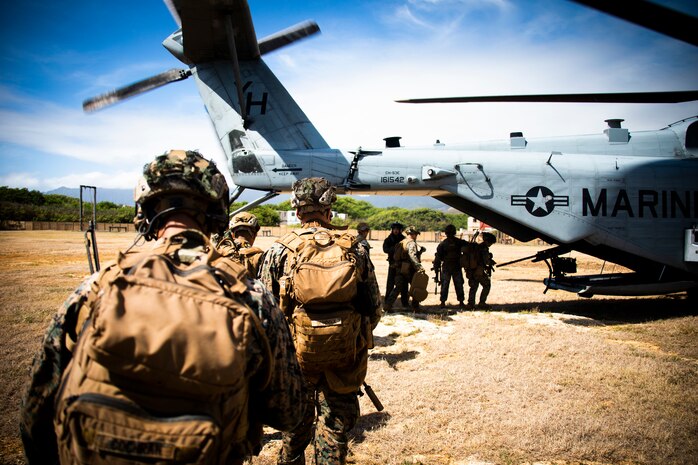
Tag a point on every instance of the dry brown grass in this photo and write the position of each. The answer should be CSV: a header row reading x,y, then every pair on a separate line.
x,y
543,378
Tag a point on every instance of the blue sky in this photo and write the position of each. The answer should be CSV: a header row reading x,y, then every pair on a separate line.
x,y
56,54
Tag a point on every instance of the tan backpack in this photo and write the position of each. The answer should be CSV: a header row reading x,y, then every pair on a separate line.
x,y
250,259
318,294
247,256
159,371
468,258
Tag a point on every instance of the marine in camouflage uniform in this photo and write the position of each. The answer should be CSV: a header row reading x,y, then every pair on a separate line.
x,y
448,260
389,244
180,198
480,276
331,396
237,242
407,258
362,237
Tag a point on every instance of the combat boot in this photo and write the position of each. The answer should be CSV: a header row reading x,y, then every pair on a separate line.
x,y
443,304
484,306
461,304
299,460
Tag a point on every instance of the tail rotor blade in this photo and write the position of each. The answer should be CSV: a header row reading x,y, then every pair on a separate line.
x,y
153,82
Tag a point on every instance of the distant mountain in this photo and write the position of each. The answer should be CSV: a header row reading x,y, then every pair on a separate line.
x,y
125,197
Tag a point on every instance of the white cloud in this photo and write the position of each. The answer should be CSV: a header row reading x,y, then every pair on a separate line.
x,y
115,138
112,144
403,15
117,180
20,179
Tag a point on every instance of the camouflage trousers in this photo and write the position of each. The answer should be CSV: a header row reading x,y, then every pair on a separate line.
x,y
336,416
476,278
390,286
455,274
402,285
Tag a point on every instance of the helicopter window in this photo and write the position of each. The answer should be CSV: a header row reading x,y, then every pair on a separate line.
x,y
692,136
246,162
235,138
243,161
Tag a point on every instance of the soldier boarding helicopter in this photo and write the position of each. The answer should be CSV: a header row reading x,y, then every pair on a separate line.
x,y
627,197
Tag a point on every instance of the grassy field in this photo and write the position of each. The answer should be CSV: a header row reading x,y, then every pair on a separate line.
x,y
542,378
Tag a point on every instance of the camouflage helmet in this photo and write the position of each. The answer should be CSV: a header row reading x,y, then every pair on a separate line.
x,y
245,220
181,179
450,230
312,194
489,238
412,230
362,227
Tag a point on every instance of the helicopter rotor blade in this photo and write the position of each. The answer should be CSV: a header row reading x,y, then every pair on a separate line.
x,y
173,11
621,97
658,18
288,36
131,90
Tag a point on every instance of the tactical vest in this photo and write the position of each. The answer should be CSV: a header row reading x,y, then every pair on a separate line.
x,y
401,256
451,249
158,374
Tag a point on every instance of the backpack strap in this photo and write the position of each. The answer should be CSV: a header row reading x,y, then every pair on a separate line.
x,y
250,251
97,282
345,240
292,240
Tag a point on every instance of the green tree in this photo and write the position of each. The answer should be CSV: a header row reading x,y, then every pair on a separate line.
x,y
23,196
384,217
106,205
267,215
355,209
63,200
284,206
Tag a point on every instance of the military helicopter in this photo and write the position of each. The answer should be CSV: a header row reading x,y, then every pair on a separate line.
x,y
626,197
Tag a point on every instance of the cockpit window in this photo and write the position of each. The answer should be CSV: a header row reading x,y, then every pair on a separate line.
x,y
245,162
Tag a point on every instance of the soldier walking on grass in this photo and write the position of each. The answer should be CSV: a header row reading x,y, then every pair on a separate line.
x,y
389,244
171,353
448,261
407,259
330,296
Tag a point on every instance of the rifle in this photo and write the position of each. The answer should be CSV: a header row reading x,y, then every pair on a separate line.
x,y
437,278
372,395
369,340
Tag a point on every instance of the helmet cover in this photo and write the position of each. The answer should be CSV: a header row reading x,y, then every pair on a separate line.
x,y
312,194
244,220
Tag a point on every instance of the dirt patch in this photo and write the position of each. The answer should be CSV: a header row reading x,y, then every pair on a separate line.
x,y
542,378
